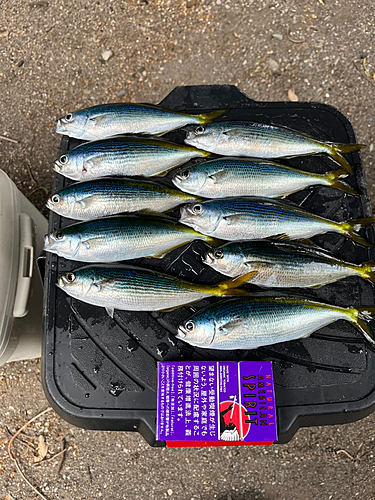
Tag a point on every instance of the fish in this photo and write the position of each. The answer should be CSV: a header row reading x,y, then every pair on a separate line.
x,y
225,177
254,218
124,156
282,264
107,120
136,289
119,238
252,322
260,140
107,196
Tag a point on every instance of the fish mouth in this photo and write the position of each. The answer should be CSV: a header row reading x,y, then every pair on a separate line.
x,y
190,136
47,242
208,258
60,127
183,214
57,166
181,333
49,205
62,282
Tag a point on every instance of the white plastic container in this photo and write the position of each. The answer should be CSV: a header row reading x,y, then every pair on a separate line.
x,y
22,228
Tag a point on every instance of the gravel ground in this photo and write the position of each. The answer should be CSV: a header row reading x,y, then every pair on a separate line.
x,y
52,62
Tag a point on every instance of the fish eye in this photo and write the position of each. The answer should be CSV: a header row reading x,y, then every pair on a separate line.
x,y
218,254
70,277
55,198
63,159
59,235
69,117
197,209
199,130
185,174
190,325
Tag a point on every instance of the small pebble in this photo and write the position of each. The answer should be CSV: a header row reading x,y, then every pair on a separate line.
x,y
170,492
273,65
107,54
371,148
279,36
121,93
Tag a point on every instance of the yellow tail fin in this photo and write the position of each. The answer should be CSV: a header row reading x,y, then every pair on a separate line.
x,y
367,271
338,150
359,317
334,181
229,287
209,117
350,229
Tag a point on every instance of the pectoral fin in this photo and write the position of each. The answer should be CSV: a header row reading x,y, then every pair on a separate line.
x,y
218,176
110,311
230,326
99,119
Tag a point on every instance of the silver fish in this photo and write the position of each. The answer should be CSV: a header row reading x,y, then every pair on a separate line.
x,y
259,140
135,289
119,238
103,197
284,264
250,323
107,120
124,156
256,218
224,177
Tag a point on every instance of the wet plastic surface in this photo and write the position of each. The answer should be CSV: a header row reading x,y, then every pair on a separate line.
x,y
100,373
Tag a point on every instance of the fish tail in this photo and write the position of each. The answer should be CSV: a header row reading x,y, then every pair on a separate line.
x,y
367,271
209,117
360,317
334,180
338,150
212,241
229,287
350,229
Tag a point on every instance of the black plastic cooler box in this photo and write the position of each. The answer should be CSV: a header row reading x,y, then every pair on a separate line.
x,y
100,373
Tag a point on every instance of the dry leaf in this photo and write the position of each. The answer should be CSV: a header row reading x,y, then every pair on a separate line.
x,y
8,497
42,448
292,96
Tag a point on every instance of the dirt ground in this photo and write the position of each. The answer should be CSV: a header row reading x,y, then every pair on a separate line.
x,y
51,63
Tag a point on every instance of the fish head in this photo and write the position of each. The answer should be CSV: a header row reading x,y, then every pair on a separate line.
x,y
74,165
197,331
225,260
190,179
62,203
203,217
205,137
62,242
79,283
73,124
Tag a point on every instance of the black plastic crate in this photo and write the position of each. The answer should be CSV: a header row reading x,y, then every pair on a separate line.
x,y
100,373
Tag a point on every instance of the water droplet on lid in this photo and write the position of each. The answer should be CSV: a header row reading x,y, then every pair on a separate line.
x,y
87,395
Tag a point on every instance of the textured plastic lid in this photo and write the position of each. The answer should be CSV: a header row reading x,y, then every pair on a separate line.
x,y
100,373
9,255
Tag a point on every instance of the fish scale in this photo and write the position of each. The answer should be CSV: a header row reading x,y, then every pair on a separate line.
x,y
107,120
254,218
261,140
124,156
281,264
225,177
132,289
103,197
255,322
119,238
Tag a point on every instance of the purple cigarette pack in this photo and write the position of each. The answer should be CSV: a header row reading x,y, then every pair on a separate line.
x,y
216,403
